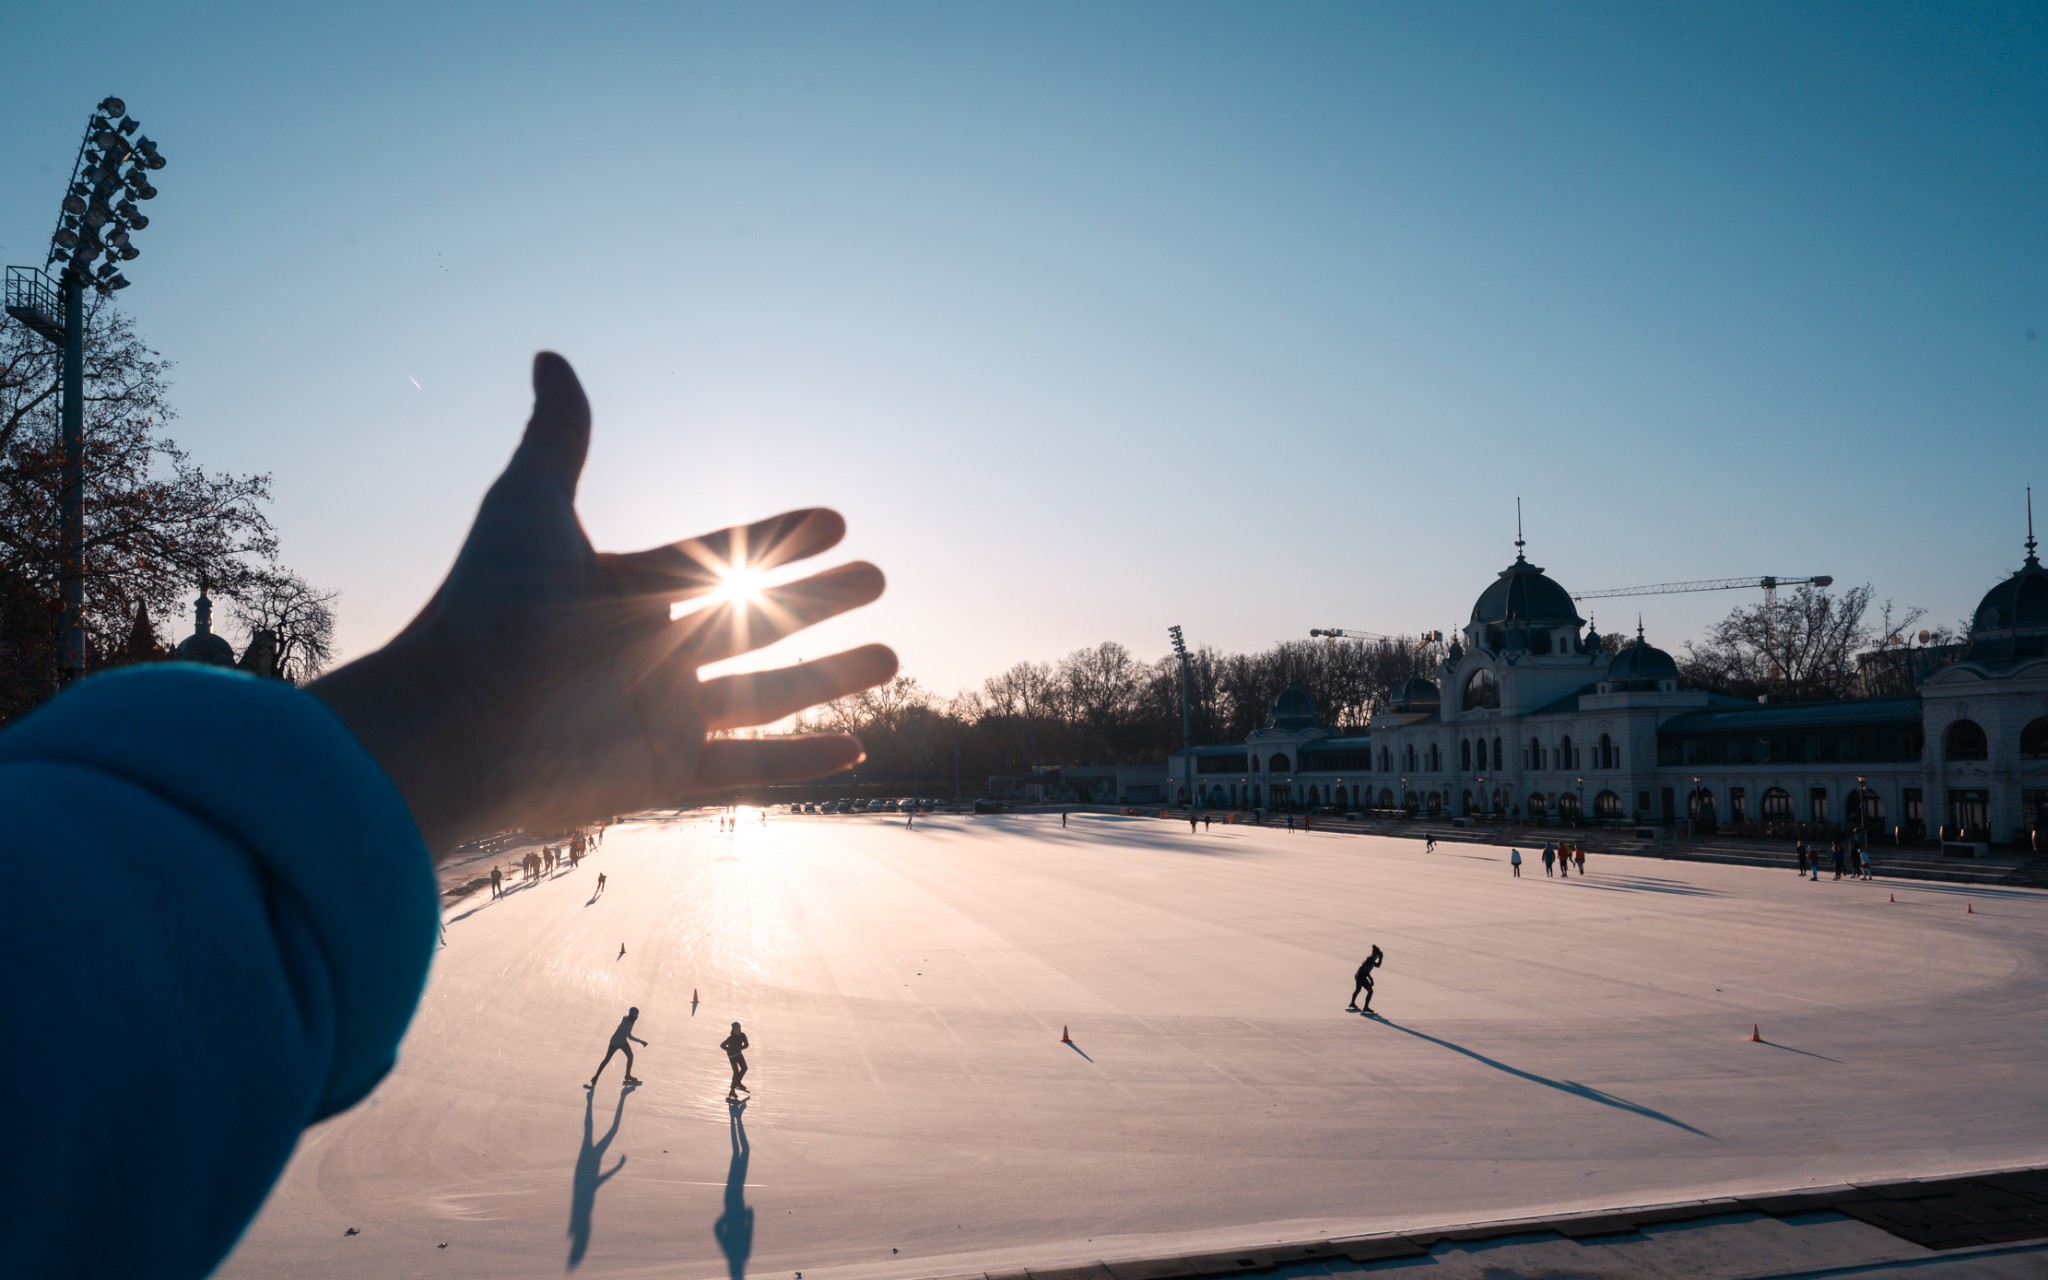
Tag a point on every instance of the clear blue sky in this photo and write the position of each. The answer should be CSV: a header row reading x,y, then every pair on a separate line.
x,y
1098,318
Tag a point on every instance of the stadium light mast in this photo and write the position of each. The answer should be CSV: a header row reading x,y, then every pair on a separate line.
x,y
1187,733
98,221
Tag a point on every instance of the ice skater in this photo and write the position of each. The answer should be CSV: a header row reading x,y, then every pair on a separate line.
x,y
600,884
497,883
1429,843
1579,856
735,1046
1549,858
1364,980
623,1041
1515,861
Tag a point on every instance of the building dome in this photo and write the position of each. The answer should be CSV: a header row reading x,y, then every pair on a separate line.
x,y
1292,711
1525,594
2012,619
203,645
1640,665
1416,694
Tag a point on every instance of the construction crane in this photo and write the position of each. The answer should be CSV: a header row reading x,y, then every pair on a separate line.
x,y
1423,641
1768,582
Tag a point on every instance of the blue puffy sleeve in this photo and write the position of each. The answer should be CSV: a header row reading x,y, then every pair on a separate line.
x,y
216,920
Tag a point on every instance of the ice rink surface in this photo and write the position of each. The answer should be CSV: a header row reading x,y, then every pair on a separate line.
x,y
1544,1045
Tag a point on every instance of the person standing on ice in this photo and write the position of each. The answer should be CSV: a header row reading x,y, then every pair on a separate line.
x,y
623,1041
497,883
735,1046
1579,856
1549,858
1363,978
1515,861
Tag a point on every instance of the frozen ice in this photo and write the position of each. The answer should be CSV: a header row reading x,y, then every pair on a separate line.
x,y
1543,1045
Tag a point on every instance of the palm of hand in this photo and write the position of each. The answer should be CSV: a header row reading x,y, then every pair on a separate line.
x,y
553,687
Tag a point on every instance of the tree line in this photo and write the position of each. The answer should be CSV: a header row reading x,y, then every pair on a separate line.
x,y
158,524
1105,705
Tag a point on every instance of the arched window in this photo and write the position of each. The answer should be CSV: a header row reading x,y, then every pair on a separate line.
x,y
1701,804
1436,802
1535,753
1865,808
1607,805
1965,741
1386,759
1386,797
1606,753
1481,692
1465,755
1408,757
1436,758
1535,808
1313,799
1498,758
1468,800
1278,764
2034,740
1255,765
1777,805
1568,806
1565,758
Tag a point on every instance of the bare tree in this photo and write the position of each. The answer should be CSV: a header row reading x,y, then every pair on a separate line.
x,y
1801,648
299,618
156,523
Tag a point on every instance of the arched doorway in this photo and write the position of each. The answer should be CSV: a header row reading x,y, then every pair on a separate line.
x,y
1607,806
1568,808
1965,740
1536,808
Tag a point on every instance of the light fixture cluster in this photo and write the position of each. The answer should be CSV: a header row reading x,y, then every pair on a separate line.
x,y
100,213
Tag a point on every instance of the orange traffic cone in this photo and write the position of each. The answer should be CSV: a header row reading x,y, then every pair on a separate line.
x,y
1895,897
693,995
1064,1037
1756,1033
1969,910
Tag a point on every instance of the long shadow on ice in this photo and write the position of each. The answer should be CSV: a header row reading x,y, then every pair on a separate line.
x,y
583,1192
735,1227
1573,1087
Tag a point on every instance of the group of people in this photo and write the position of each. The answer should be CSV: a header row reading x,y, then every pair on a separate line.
x,y
541,863
735,1046
1557,859
1853,863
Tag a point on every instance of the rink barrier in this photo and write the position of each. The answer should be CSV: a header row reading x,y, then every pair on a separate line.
x,y
1950,1215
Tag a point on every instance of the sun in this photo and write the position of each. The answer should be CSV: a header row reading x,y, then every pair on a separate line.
x,y
738,584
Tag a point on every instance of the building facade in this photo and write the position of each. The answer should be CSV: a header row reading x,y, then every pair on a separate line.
x,y
1530,719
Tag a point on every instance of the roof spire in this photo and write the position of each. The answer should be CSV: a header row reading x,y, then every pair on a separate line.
x,y
2031,558
1639,628
1518,523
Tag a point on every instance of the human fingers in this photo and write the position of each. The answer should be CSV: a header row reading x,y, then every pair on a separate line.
x,y
763,697
693,566
558,434
741,762
737,626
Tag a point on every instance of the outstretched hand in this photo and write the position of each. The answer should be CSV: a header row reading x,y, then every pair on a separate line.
x,y
545,684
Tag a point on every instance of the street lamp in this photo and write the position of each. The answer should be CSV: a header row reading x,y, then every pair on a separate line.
x,y
1404,797
98,221
1187,736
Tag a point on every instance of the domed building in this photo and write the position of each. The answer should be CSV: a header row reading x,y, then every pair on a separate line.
x,y
1529,719
203,645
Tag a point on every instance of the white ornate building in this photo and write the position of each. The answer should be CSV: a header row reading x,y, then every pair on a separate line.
x,y
1530,719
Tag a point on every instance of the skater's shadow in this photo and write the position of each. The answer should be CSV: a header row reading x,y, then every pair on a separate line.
x,y
734,1229
502,895
583,1191
1573,1087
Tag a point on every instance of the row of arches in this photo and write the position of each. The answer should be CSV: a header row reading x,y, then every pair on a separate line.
x,y
1966,740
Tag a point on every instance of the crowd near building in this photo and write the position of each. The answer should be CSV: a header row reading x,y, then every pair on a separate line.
x,y
1530,719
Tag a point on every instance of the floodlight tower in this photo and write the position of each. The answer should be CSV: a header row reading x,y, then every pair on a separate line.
x,y
98,220
1187,732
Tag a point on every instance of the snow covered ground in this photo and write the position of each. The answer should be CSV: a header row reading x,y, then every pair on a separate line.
x,y
1545,1045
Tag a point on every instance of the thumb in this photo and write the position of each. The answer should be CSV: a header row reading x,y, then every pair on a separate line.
x,y
558,434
